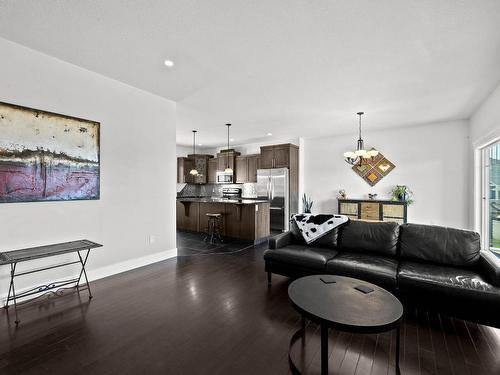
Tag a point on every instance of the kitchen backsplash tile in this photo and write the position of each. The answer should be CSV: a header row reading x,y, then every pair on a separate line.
x,y
248,190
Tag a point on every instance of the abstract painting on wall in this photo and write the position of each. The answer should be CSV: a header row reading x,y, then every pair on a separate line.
x,y
374,169
46,156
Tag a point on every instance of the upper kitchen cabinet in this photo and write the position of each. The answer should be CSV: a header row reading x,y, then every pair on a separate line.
x,y
253,165
266,157
212,170
246,168
201,165
224,158
184,165
278,156
241,169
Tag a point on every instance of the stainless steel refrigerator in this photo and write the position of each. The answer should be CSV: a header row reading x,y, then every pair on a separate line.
x,y
273,185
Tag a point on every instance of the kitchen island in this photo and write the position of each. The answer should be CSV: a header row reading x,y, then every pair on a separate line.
x,y
246,219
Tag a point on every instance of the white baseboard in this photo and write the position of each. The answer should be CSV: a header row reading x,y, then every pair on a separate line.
x,y
127,265
113,269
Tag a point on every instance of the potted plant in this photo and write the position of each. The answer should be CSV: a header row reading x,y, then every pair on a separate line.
x,y
307,204
402,193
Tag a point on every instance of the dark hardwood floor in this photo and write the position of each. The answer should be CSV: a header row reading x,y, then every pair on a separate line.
x,y
214,314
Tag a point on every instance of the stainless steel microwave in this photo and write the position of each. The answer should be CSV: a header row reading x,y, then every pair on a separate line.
x,y
225,178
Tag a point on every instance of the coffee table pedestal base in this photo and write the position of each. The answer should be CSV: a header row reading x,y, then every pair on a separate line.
x,y
299,358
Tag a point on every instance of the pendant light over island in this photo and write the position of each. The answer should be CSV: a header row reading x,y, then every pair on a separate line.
x,y
228,168
194,171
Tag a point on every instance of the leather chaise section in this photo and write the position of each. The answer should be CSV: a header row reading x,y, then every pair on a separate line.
x,y
461,293
378,270
301,255
454,280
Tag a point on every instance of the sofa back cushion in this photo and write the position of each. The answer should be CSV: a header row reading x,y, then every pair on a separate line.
x,y
370,237
328,240
440,245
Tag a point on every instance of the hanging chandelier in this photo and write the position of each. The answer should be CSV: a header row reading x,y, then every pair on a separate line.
x,y
194,171
357,157
228,167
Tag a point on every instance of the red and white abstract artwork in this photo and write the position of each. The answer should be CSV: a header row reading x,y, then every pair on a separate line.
x,y
46,156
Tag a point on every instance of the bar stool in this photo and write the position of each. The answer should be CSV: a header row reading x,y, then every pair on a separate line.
x,y
214,228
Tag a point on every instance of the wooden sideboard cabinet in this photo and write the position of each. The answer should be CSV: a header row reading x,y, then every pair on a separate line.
x,y
375,210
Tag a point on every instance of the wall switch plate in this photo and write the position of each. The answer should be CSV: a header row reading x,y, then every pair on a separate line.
x,y
256,208
152,239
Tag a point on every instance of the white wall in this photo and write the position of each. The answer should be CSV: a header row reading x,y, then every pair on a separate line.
x,y
485,122
431,159
138,168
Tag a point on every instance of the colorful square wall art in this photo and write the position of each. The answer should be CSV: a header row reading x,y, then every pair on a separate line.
x,y
46,156
374,169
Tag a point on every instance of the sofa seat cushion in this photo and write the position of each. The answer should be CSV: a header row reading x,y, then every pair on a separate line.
x,y
378,270
301,255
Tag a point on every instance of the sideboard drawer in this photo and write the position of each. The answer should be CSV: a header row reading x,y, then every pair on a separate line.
x,y
370,211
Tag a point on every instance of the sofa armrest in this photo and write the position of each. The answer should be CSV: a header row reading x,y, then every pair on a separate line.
x,y
490,267
281,240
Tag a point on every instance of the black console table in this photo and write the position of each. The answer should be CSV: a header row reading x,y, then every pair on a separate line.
x,y
12,258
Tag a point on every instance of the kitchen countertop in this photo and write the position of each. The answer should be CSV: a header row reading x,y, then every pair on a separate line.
x,y
221,200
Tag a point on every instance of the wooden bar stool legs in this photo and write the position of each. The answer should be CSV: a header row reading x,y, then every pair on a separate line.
x,y
214,228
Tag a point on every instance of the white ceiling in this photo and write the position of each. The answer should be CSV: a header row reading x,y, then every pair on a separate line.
x,y
290,67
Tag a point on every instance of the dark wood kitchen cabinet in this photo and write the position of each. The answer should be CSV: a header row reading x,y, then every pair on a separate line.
x,y
248,221
282,156
184,165
278,156
253,165
266,157
241,169
212,170
224,158
188,214
200,162
246,168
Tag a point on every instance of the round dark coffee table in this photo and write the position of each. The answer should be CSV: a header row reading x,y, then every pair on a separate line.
x,y
345,304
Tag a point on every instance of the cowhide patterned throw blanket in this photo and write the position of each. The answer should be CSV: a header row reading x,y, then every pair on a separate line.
x,y
313,227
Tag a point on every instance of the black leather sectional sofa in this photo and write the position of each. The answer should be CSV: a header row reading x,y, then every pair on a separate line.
x,y
441,268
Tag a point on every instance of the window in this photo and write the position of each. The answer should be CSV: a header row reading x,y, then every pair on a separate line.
x,y
491,197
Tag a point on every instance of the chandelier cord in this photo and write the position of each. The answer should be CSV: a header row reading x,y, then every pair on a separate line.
x,y
359,125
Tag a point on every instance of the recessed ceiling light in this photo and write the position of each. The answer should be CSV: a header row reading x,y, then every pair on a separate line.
x,y
169,63
200,144
231,139
269,133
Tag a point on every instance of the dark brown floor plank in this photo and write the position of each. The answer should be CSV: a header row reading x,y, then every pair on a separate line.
x,y
453,343
410,363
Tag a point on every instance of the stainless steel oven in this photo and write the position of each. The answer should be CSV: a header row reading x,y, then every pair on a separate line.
x,y
225,178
